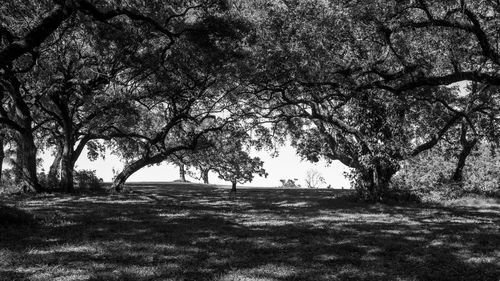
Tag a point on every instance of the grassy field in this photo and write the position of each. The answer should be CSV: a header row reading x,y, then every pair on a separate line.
x,y
196,232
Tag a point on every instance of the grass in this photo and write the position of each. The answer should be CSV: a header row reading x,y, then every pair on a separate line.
x,y
196,232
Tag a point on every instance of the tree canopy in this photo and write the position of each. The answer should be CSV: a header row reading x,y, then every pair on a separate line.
x,y
368,84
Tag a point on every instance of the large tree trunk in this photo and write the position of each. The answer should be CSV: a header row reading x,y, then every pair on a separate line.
x,y
22,123
54,171
133,167
375,181
233,186
204,175
27,158
2,156
467,148
67,166
182,173
66,184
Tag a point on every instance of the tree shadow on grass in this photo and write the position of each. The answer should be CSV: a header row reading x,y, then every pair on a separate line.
x,y
189,232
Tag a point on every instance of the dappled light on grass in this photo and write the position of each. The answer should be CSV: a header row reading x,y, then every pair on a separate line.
x,y
261,273
183,232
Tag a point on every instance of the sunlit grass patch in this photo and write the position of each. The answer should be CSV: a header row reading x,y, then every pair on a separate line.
x,y
261,273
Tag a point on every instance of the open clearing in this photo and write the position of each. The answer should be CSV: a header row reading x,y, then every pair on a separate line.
x,y
197,232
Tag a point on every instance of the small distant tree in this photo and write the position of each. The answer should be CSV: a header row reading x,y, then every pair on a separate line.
x,y
179,159
314,179
225,154
239,167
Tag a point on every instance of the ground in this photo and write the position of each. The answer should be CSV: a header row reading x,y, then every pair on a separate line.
x,y
198,232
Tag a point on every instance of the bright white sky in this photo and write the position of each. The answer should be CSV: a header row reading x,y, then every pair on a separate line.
x,y
286,166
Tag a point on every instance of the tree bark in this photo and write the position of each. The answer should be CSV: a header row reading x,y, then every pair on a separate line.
x,y
54,171
22,123
204,175
375,181
2,156
133,167
182,173
67,168
27,158
233,186
467,148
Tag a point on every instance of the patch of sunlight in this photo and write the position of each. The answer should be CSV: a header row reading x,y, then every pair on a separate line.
x,y
326,257
163,247
468,256
393,231
65,223
415,259
217,261
28,270
239,203
175,215
291,204
350,272
482,204
369,258
67,248
60,273
372,218
481,259
261,242
268,222
139,271
63,199
89,199
436,242
129,201
319,221
374,250
122,219
414,238
170,266
268,272
239,277
212,236
463,220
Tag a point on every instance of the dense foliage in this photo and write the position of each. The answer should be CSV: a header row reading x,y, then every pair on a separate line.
x,y
429,174
369,84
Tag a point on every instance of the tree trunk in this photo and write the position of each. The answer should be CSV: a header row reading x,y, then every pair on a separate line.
x,y
133,167
467,148
2,156
204,175
233,186
54,171
26,150
67,168
182,173
27,158
17,164
375,181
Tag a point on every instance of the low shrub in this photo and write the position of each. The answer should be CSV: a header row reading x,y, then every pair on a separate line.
x,y
8,184
289,183
87,180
